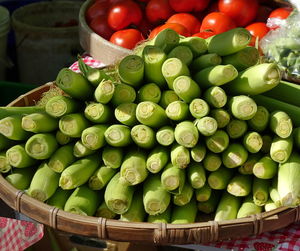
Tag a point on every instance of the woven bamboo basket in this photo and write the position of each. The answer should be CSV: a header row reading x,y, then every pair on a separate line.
x,y
97,227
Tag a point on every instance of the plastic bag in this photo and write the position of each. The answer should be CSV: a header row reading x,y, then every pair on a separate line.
x,y
282,45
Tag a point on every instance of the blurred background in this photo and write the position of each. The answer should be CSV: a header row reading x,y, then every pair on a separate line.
x,y
37,39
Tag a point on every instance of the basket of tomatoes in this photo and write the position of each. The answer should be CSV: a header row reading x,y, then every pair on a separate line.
x,y
110,29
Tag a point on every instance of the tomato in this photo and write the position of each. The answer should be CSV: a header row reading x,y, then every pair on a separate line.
x,y
190,22
154,32
127,38
145,27
204,34
124,13
158,11
201,5
241,11
263,13
180,29
111,2
96,9
188,5
213,7
101,27
258,29
217,22
279,13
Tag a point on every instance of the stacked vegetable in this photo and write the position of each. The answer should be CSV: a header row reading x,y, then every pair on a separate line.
x,y
169,132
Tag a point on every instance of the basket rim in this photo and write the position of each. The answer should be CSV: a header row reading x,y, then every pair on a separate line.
x,y
159,233
22,202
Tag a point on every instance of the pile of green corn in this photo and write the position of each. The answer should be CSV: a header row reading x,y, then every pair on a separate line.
x,y
178,131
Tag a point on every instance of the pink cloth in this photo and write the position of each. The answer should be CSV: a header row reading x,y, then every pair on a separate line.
x,y
87,60
286,239
17,235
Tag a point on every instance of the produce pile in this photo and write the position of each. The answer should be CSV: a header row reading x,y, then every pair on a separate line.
x,y
176,130
127,22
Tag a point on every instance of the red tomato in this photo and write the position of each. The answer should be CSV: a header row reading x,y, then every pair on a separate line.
x,y
213,7
180,29
188,5
217,22
145,27
101,27
127,38
190,22
199,15
111,2
263,13
241,11
96,9
258,29
204,34
124,13
158,11
201,5
154,32
280,13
